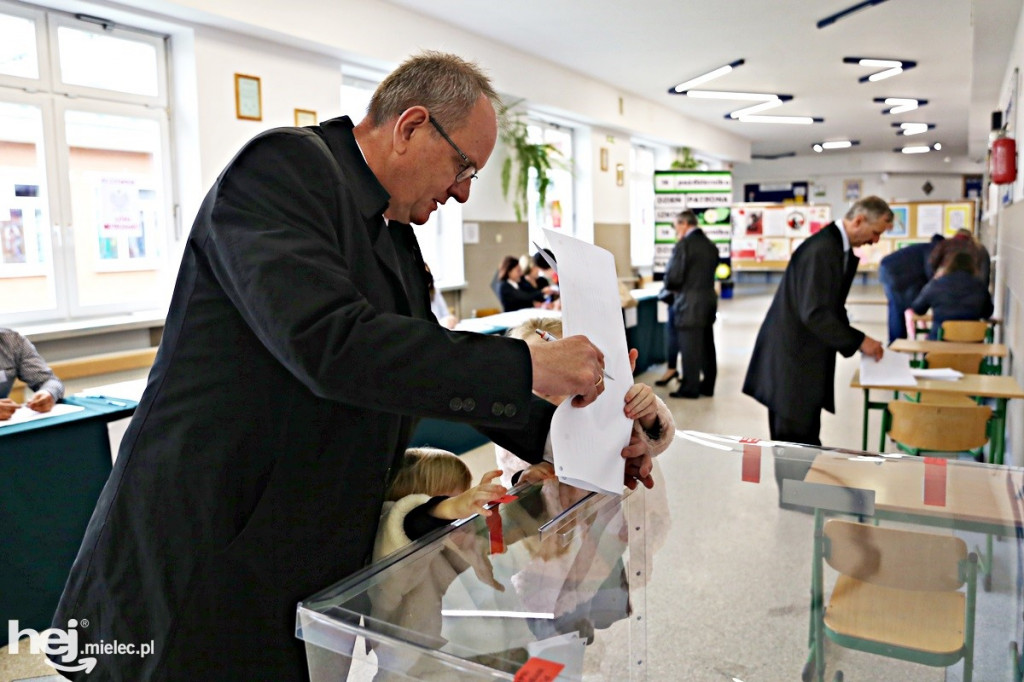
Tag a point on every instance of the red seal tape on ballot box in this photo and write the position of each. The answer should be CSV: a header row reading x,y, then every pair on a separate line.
x,y
538,670
935,481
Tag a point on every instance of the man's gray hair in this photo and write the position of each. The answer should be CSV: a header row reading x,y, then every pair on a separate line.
x,y
874,208
447,85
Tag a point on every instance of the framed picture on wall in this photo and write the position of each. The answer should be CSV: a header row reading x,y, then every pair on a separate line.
x,y
305,117
248,99
851,190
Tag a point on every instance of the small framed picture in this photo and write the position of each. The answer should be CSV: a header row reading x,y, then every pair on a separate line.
x,y
604,158
305,117
248,99
851,190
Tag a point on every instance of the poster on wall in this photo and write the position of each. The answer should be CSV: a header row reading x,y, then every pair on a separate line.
x,y
900,220
818,217
747,221
956,217
929,220
698,191
119,208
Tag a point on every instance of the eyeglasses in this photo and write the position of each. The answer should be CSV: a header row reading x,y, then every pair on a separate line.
x,y
469,170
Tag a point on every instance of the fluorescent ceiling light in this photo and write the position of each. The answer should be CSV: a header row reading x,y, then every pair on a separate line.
x,y
704,78
888,73
880,63
763,106
917,149
900,105
913,128
793,120
834,144
831,19
726,94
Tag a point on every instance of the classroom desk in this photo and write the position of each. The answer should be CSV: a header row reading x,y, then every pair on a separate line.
x,y
999,388
993,352
52,471
703,579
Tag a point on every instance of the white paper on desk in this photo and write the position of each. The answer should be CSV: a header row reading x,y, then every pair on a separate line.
x,y
567,649
26,414
587,441
940,373
892,370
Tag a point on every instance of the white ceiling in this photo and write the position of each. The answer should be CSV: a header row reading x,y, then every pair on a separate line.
x,y
647,46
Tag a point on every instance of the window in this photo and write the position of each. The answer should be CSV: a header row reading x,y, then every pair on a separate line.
x,y
558,211
641,205
84,168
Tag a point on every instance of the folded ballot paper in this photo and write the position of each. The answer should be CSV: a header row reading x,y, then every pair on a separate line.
x,y
892,370
587,442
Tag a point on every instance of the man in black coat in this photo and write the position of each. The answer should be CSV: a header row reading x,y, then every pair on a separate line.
x,y
298,351
903,273
690,276
792,370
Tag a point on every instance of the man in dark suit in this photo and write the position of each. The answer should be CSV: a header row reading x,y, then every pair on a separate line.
x,y
903,273
298,351
690,276
792,370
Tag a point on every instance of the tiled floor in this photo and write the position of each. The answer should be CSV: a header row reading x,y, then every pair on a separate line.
x,y
728,412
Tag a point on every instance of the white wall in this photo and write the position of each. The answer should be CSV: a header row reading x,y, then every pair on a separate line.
x,y
611,202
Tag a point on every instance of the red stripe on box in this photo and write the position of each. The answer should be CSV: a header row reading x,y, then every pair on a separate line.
x,y
538,670
497,534
935,481
751,463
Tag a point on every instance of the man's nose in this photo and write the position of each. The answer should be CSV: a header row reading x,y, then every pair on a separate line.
x,y
460,190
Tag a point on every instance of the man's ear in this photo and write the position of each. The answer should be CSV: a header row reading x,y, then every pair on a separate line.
x,y
408,123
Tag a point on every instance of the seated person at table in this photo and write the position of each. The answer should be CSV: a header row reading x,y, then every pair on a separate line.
x,y
652,420
20,360
954,294
513,293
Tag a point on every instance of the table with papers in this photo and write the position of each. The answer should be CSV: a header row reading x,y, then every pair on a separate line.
x,y
999,388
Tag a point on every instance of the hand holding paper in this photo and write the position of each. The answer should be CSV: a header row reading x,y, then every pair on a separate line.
x,y
572,366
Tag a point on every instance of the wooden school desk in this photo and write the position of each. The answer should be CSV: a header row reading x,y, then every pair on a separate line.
x,y
998,351
1000,388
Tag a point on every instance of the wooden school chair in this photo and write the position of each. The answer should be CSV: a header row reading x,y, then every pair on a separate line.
x,y
935,427
967,363
967,331
898,594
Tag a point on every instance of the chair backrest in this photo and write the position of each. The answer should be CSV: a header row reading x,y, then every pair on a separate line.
x,y
485,312
964,330
966,363
895,558
943,428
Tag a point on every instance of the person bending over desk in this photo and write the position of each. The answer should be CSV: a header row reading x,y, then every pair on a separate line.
x,y
955,293
20,360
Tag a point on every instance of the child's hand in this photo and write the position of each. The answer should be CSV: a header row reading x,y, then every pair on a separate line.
x,y
640,404
472,501
535,473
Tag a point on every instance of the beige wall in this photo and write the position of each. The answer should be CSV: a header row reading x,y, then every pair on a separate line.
x,y
615,238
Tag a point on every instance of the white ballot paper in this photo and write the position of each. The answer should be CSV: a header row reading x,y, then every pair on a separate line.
x,y
27,414
587,442
940,373
892,370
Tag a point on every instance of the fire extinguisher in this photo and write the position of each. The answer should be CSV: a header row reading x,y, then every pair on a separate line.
x,y
1004,160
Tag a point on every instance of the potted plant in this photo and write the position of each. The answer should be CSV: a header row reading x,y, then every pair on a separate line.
x,y
523,155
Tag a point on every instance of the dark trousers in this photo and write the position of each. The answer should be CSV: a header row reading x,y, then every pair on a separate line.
x,y
899,301
803,430
697,346
671,342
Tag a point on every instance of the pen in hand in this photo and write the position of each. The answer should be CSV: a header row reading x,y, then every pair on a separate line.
x,y
548,337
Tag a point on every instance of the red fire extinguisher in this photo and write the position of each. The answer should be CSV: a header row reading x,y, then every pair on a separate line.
x,y
1004,160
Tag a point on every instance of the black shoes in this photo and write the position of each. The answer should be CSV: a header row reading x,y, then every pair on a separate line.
x,y
667,378
681,394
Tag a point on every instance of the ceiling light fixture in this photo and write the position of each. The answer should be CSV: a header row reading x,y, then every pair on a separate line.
x,y
710,75
794,120
900,105
913,128
829,20
834,144
919,148
891,67
772,157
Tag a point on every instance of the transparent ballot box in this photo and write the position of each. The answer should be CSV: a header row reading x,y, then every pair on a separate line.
x,y
749,560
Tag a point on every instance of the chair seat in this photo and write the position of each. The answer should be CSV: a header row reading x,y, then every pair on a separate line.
x,y
927,622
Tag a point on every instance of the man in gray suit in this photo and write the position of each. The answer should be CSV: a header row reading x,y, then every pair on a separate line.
x,y
298,353
691,278
792,369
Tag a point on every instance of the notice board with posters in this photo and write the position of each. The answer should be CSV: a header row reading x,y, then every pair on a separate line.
x,y
706,193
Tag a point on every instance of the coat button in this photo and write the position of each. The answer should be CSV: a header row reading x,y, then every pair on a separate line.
x,y
510,410
497,409
468,405
455,404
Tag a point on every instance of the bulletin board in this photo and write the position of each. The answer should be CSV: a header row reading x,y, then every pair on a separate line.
x,y
762,232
